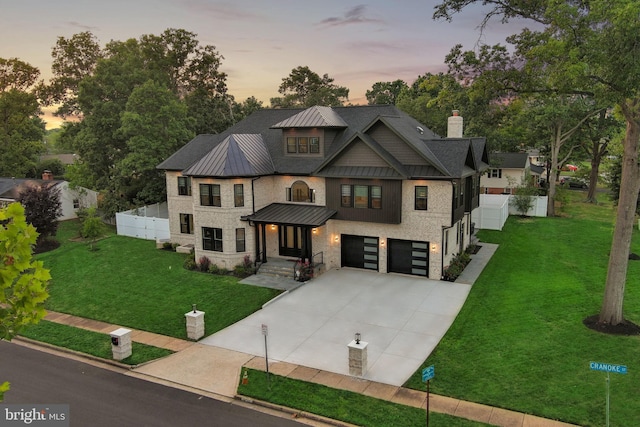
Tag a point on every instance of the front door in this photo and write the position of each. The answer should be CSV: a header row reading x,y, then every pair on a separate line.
x,y
290,240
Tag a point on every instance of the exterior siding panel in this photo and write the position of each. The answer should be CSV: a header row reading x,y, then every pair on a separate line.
x,y
390,213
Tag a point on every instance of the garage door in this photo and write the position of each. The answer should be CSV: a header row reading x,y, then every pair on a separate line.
x,y
408,257
359,251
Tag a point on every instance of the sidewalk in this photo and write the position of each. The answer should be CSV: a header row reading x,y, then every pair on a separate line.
x,y
217,370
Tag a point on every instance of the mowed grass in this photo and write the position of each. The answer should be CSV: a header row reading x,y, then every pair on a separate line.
x,y
89,342
129,282
519,342
342,405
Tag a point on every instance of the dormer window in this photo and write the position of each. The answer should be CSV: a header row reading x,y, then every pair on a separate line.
x,y
303,145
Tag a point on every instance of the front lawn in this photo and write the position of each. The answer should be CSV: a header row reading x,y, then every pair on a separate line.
x,y
89,342
130,283
342,405
519,341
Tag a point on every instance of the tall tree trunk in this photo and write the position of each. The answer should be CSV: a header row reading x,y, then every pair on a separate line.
x,y
612,304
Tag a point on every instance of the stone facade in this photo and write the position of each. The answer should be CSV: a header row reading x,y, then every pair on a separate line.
x,y
430,226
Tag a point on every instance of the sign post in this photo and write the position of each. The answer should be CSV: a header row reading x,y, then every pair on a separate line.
x,y
608,368
265,332
427,374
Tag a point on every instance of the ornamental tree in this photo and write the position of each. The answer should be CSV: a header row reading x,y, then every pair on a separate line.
x,y
23,282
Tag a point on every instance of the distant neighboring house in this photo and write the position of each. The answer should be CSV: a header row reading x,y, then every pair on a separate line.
x,y
64,158
507,171
70,199
363,187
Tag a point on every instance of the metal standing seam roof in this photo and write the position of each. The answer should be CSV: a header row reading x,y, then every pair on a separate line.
x,y
236,155
290,214
313,117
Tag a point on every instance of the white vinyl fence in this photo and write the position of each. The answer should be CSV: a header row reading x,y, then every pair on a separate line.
x,y
148,222
494,210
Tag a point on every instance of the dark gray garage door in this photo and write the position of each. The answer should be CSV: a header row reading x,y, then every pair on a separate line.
x,y
408,257
359,251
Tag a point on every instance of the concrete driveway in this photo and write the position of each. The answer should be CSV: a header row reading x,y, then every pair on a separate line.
x,y
402,318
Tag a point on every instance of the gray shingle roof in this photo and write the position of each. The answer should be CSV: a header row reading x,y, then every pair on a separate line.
x,y
199,156
510,160
10,188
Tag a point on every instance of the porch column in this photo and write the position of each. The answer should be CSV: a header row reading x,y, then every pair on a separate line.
x,y
264,242
257,241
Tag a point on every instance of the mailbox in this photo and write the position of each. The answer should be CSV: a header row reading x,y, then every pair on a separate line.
x,y
121,343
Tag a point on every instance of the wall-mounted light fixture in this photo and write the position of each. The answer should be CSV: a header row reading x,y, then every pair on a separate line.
x,y
382,242
434,247
315,231
336,239
273,226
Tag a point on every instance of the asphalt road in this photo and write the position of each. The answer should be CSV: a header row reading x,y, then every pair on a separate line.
x,y
102,397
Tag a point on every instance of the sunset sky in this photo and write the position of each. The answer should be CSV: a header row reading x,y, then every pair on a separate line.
x,y
356,43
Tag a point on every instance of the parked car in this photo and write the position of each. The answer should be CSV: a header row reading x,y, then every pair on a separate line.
x,y
572,182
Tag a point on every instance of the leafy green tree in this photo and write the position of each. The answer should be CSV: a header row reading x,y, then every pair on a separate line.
x,y
93,228
23,282
155,125
97,87
586,48
304,88
524,192
21,130
73,59
385,92
42,208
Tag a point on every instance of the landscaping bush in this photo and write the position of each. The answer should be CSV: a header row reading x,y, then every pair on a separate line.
x,y
457,265
204,263
190,261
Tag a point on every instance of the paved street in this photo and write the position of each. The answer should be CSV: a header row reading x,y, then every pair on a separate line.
x,y
101,397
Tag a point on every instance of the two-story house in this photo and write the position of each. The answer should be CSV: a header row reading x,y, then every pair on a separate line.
x,y
366,187
508,171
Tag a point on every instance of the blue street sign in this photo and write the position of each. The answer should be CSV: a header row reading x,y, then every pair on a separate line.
x,y
428,373
607,367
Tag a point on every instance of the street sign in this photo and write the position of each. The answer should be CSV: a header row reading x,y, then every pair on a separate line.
x,y
265,330
428,373
608,367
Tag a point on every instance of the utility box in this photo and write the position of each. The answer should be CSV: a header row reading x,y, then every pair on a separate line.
x,y
195,324
357,358
121,343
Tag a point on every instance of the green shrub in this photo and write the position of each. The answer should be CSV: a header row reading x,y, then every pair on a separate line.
x,y
456,267
214,269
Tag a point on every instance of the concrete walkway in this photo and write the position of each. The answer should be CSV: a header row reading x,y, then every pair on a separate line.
x,y
217,370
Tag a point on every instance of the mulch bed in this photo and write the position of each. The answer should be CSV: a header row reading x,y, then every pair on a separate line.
x,y
624,328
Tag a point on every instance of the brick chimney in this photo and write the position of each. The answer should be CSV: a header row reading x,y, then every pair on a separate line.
x,y
47,175
455,125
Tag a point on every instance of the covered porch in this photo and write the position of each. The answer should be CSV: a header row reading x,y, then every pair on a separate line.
x,y
295,227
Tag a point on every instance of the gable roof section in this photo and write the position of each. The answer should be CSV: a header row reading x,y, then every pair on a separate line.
x,y
479,146
313,117
406,128
236,155
510,160
332,166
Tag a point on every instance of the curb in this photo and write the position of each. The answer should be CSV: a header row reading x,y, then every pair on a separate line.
x,y
76,353
293,412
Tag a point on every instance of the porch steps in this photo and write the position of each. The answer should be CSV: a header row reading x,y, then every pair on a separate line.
x,y
278,268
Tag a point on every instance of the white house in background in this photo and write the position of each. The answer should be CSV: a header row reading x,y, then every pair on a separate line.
x,y
507,171
70,199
